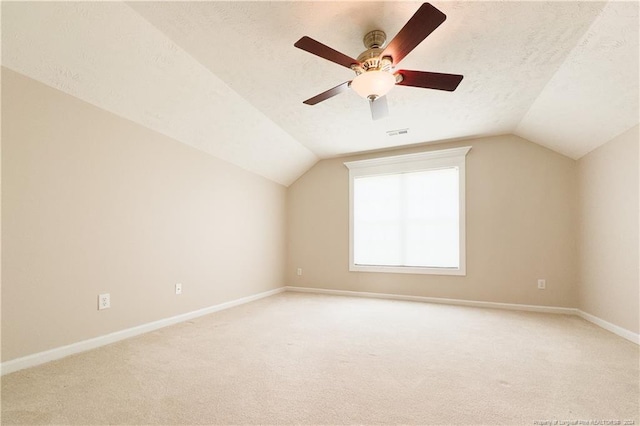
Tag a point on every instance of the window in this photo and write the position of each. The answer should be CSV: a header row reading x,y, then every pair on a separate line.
x,y
407,213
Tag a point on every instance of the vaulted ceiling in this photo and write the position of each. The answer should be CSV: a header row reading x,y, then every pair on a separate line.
x,y
224,77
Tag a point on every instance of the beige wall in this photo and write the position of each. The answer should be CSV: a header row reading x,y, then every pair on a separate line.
x,y
608,233
521,201
94,203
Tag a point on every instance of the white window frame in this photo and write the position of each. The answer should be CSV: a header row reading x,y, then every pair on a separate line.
x,y
444,158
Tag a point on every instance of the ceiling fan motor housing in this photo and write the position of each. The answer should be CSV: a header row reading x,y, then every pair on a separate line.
x,y
370,59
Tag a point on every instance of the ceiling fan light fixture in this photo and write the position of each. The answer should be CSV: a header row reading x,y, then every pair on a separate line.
x,y
375,68
373,84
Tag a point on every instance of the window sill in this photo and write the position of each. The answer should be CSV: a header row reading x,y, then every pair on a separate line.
x,y
408,270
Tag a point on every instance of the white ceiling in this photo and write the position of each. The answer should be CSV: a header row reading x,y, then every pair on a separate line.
x,y
225,77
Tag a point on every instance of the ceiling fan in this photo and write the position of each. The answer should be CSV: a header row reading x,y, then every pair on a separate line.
x,y
375,67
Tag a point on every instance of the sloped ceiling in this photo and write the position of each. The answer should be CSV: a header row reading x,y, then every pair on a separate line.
x,y
225,78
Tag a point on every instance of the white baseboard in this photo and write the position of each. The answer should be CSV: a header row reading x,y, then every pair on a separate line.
x,y
478,304
622,332
85,345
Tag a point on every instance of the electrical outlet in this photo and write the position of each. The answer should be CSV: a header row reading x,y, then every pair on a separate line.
x,y
179,288
299,271
104,301
542,284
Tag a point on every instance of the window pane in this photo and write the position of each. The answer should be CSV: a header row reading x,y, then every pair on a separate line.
x,y
377,215
407,219
432,218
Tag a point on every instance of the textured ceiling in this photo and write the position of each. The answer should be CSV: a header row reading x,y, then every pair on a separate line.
x,y
224,77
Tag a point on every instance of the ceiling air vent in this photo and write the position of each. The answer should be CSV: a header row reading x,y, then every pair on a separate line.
x,y
397,132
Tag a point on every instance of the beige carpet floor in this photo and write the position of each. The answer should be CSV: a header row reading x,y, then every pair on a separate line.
x,y
313,359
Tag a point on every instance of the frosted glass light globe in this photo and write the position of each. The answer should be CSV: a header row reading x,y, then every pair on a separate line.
x,y
373,83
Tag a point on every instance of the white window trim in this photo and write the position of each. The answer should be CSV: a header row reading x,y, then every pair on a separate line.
x,y
454,157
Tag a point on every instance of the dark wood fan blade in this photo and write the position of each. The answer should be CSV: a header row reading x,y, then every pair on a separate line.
x,y
319,49
379,108
430,80
328,94
421,24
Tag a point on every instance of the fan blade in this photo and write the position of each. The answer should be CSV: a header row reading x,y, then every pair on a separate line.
x,y
319,49
328,94
421,24
379,108
429,80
